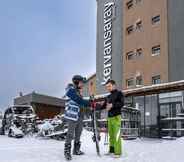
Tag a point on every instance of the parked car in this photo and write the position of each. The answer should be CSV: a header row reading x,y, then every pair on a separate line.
x,y
1,118
55,128
18,121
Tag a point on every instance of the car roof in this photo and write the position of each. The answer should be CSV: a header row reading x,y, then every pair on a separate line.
x,y
28,106
22,105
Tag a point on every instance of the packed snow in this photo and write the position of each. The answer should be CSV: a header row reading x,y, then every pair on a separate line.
x,y
32,149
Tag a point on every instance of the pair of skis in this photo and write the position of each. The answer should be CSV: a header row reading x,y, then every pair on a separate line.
x,y
96,134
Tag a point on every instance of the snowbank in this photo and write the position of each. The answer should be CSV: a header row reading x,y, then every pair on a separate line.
x,y
40,150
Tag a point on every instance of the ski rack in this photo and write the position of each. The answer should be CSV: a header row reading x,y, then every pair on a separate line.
x,y
131,121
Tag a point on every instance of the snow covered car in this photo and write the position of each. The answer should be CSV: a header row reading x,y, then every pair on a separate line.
x,y
18,121
45,129
1,117
55,128
15,132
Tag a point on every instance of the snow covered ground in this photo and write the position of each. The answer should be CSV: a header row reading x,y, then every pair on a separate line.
x,y
30,149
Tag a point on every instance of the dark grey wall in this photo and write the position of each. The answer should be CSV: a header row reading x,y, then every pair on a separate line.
x,y
27,99
176,39
37,98
116,44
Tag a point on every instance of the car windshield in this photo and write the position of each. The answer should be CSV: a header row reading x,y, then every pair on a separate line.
x,y
22,110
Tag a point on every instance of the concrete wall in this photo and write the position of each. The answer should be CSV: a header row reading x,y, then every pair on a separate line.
x,y
176,39
116,44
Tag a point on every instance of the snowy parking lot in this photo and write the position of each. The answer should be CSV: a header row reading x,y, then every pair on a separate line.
x,y
30,149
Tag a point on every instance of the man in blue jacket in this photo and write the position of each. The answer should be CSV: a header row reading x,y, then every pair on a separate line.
x,y
74,115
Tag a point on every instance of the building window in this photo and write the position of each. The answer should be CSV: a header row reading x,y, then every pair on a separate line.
x,y
129,4
139,80
134,54
130,55
130,29
156,50
156,79
139,52
139,25
156,19
130,82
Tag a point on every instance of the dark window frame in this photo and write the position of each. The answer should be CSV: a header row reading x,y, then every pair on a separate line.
x,y
139,80
156,79
130,29
128,81
156,50
139,52
130,4
156,19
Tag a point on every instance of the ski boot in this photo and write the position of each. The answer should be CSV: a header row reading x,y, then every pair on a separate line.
x,y
67,151
76,149
117,156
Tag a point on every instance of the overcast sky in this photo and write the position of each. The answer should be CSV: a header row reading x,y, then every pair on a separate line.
x,y
43,43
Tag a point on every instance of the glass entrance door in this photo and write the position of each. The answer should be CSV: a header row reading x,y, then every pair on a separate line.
x,y
170,124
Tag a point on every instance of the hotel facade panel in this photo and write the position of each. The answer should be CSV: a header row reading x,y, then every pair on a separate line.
x,y
140,43
109,43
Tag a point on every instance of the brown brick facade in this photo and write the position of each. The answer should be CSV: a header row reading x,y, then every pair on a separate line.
x,y
144,37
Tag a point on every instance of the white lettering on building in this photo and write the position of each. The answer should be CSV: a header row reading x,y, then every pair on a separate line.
x,y
107,52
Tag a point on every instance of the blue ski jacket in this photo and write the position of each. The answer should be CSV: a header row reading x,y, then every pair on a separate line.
x,y
73,103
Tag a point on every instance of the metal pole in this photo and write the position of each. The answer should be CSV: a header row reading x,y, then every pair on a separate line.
x,y
158,119
144,115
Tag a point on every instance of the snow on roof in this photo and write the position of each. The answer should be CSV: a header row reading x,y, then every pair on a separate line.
x,y
21,106
147,88
99,96
39,98
90,76
173,118
180,114
155,86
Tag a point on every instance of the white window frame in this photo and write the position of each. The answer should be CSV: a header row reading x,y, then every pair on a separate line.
x,y
130,53
140,27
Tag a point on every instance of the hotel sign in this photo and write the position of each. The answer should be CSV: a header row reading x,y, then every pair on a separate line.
x,y
109,9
